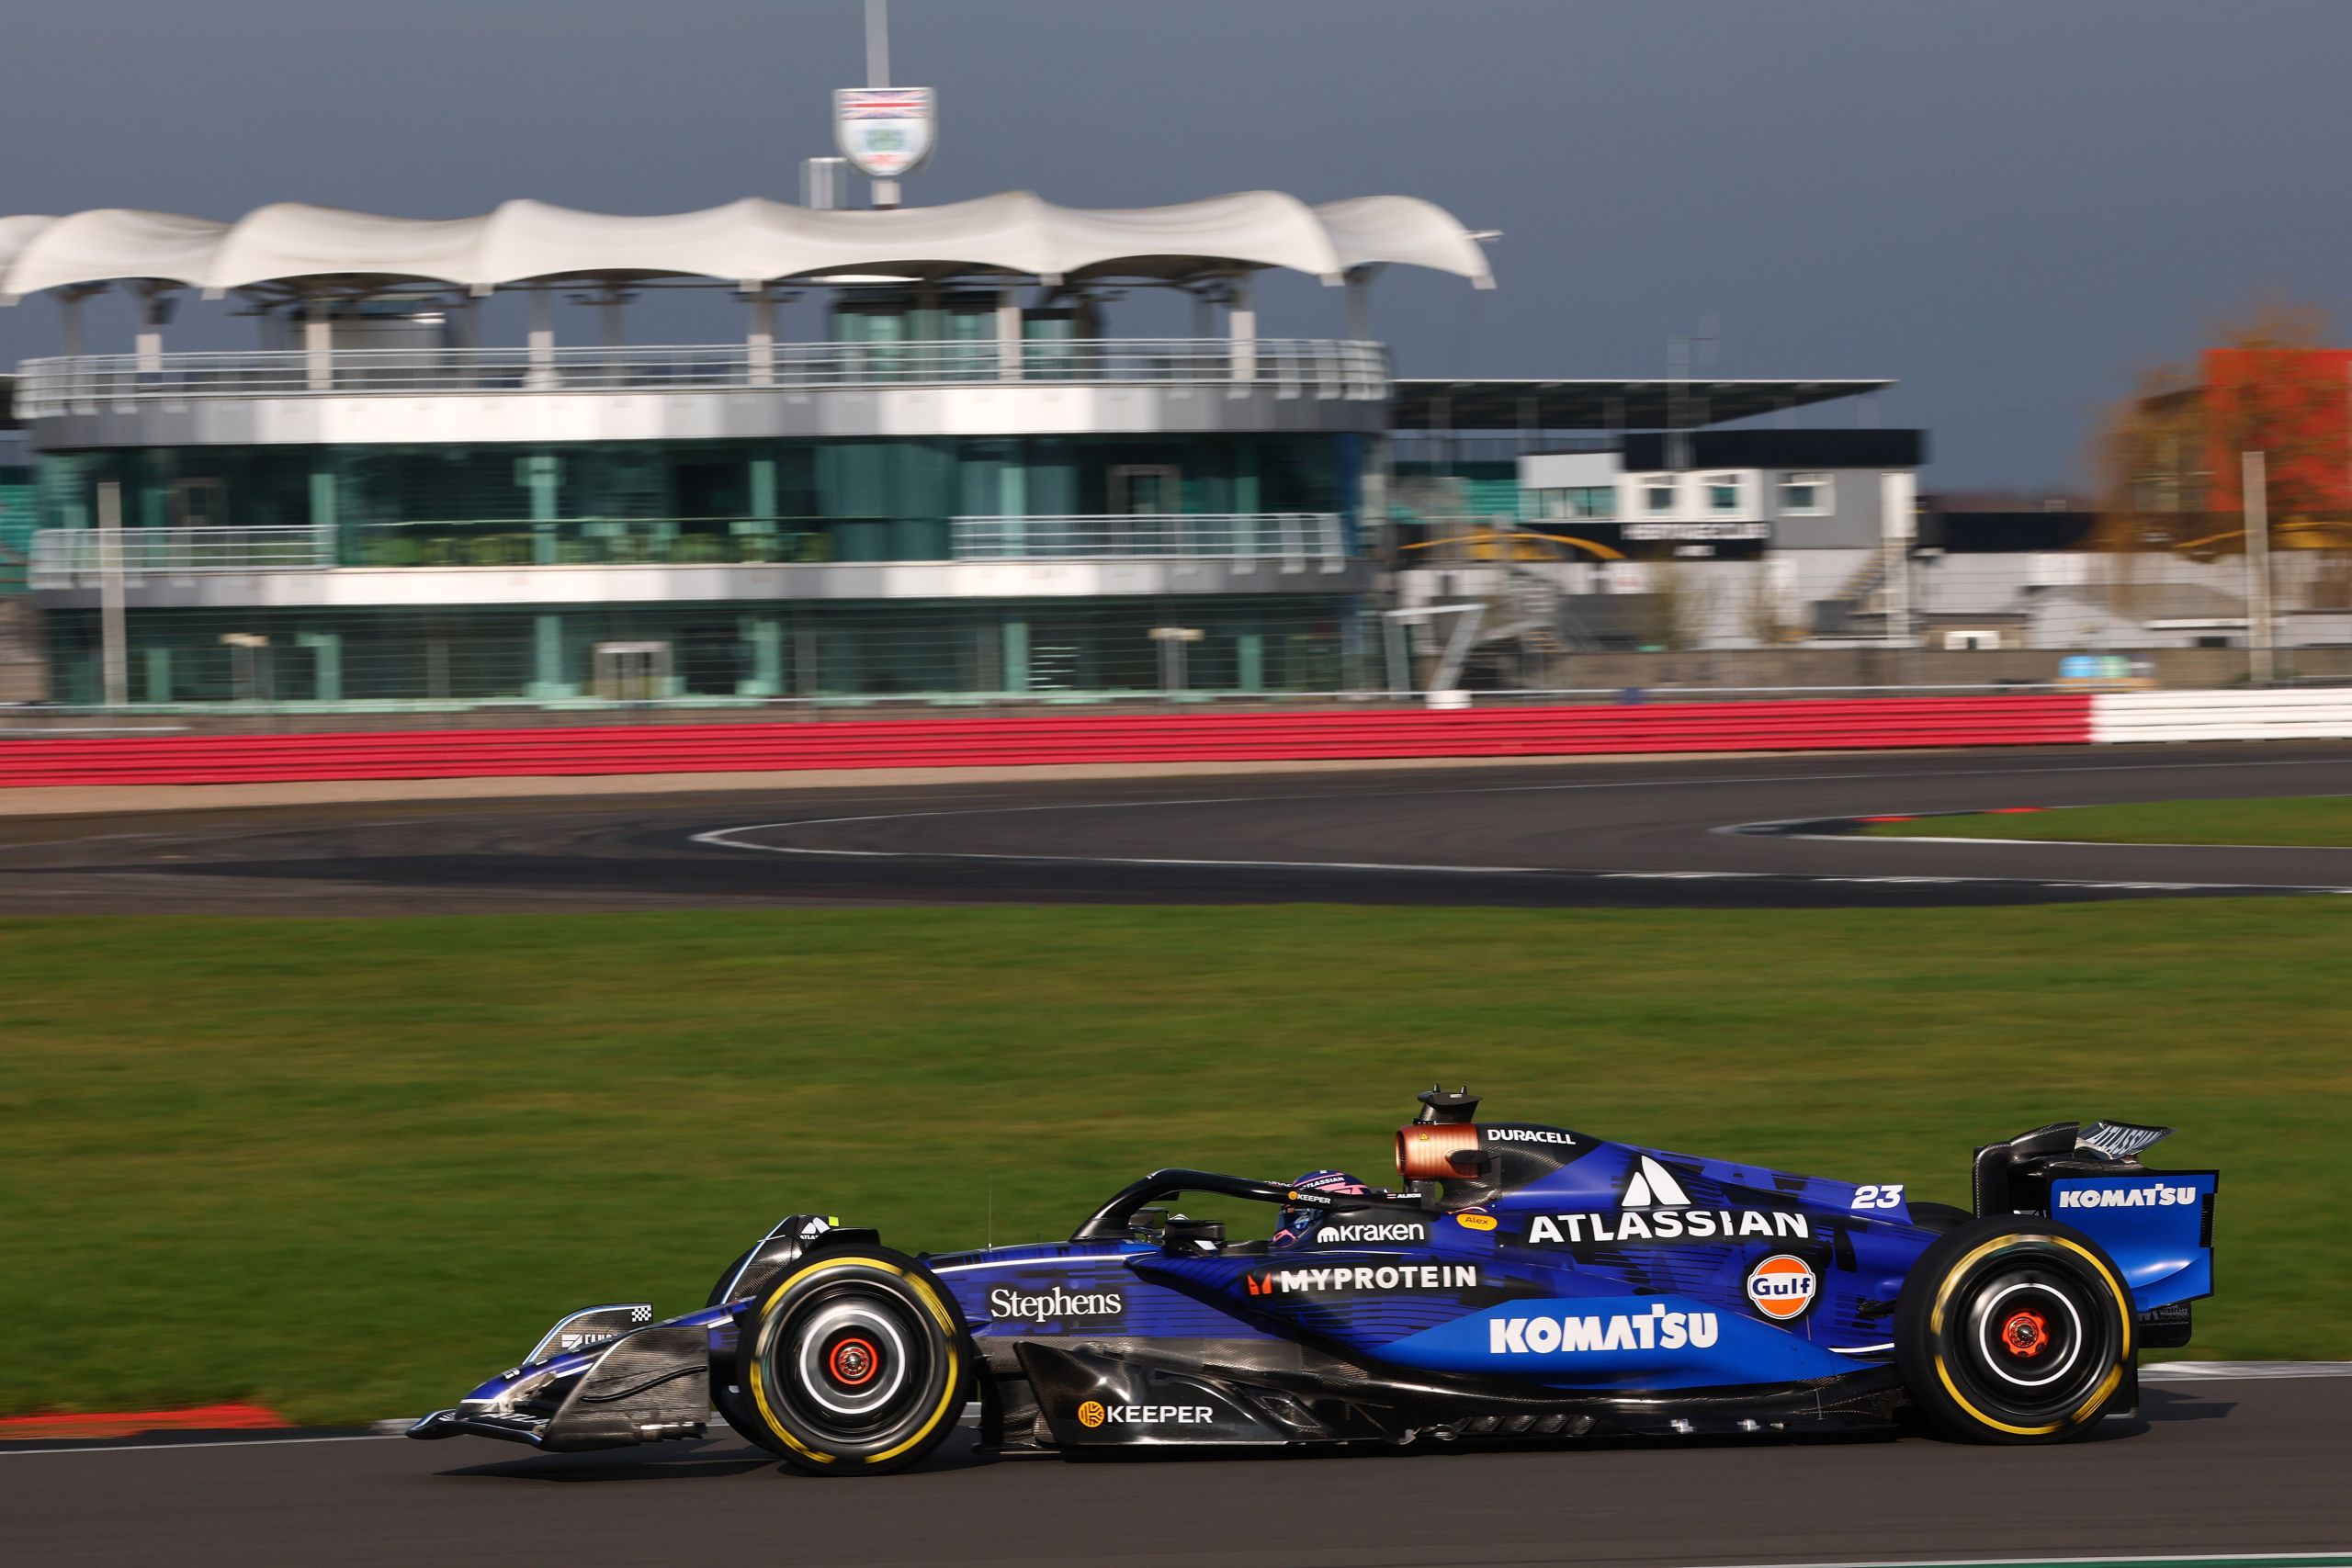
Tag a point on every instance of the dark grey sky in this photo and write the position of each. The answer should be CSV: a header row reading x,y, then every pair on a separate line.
x,y
2007,206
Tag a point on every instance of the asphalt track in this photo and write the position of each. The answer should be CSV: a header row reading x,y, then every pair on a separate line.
x,y
1646,833
2221,1467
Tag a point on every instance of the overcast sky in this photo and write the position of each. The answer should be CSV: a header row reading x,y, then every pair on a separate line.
x,y
2005,206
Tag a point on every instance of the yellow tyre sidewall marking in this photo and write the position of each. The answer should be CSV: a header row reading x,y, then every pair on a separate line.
x,y
2108,1385
922,1292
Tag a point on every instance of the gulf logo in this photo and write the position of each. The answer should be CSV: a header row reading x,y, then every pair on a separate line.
x,y
1782,1287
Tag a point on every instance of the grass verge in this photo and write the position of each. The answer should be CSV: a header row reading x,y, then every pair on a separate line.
x,y
344,1168
2315,821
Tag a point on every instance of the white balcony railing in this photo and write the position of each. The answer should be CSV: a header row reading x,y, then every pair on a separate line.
x,y
1289,536
1291,367
76,557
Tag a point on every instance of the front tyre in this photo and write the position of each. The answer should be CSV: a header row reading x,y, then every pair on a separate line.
x,y
2013,1330
853,1362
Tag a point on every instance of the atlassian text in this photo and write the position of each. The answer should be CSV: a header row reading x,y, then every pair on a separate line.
x,y
1656,1329
1668,1225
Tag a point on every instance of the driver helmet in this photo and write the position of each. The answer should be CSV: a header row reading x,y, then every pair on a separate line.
x,y
1298,1219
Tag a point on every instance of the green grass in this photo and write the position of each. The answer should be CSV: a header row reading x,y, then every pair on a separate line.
x,y
345,1167
2310,821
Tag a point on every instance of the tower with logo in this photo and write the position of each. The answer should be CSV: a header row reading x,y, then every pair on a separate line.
x,y
885,132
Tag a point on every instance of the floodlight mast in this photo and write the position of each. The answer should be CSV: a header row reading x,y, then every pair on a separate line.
x,y
878,74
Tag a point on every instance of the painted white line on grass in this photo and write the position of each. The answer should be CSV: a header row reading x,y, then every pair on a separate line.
x,y
2198,1371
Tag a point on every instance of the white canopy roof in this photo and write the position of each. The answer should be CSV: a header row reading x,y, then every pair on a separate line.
x,y
747,241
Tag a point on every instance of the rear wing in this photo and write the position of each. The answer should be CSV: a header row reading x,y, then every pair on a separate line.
x,y
2156,1225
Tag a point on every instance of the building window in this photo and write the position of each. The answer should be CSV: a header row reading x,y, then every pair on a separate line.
x,y
1722,495
1586,502
198,504
1593,501
1658,494
1804,495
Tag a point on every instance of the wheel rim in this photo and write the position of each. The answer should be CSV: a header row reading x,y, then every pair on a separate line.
x,y
851,1365
2034,1339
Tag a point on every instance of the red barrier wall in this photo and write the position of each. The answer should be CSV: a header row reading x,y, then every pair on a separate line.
x,y
1155,738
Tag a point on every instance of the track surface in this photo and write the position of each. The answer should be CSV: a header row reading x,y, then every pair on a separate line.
x,y
2223,1466
1608,833
2228,1467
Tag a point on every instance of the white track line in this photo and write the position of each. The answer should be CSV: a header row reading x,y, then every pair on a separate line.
x,y
2056,844
730,838
2064,1561
726,838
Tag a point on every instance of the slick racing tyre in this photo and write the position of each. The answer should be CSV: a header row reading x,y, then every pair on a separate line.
x,y
852,1362
2013,1330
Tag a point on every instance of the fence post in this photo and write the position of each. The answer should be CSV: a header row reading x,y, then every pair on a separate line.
x,y
2254,484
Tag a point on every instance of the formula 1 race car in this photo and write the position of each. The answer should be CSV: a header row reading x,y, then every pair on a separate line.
x,y
1528,1282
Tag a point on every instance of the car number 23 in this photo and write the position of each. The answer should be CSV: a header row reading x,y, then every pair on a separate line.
x,y
1888,1197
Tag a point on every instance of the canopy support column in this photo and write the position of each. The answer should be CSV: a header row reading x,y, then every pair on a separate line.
x,y
1008,334
759,340
154,310
542,339
1359,302
1242,322
465,327
609,334
318,345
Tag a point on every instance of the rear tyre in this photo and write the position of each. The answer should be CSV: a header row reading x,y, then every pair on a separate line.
x,y
2013,1330
852,1364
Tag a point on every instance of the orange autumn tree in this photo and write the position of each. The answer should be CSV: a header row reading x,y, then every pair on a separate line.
x,y
2168,454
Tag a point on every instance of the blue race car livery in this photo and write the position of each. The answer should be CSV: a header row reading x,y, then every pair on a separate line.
x,y
1525,1282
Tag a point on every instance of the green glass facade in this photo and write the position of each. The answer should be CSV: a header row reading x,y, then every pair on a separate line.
x,y
850,500
1039,650
19,517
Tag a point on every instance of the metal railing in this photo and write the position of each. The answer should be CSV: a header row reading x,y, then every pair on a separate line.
x,y
76,557
1289,536
1291,367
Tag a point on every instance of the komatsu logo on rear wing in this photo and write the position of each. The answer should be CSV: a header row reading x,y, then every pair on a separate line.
x,y
2151,1197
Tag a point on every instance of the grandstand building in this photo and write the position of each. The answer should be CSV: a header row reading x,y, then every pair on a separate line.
x,y
930,464
927,461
